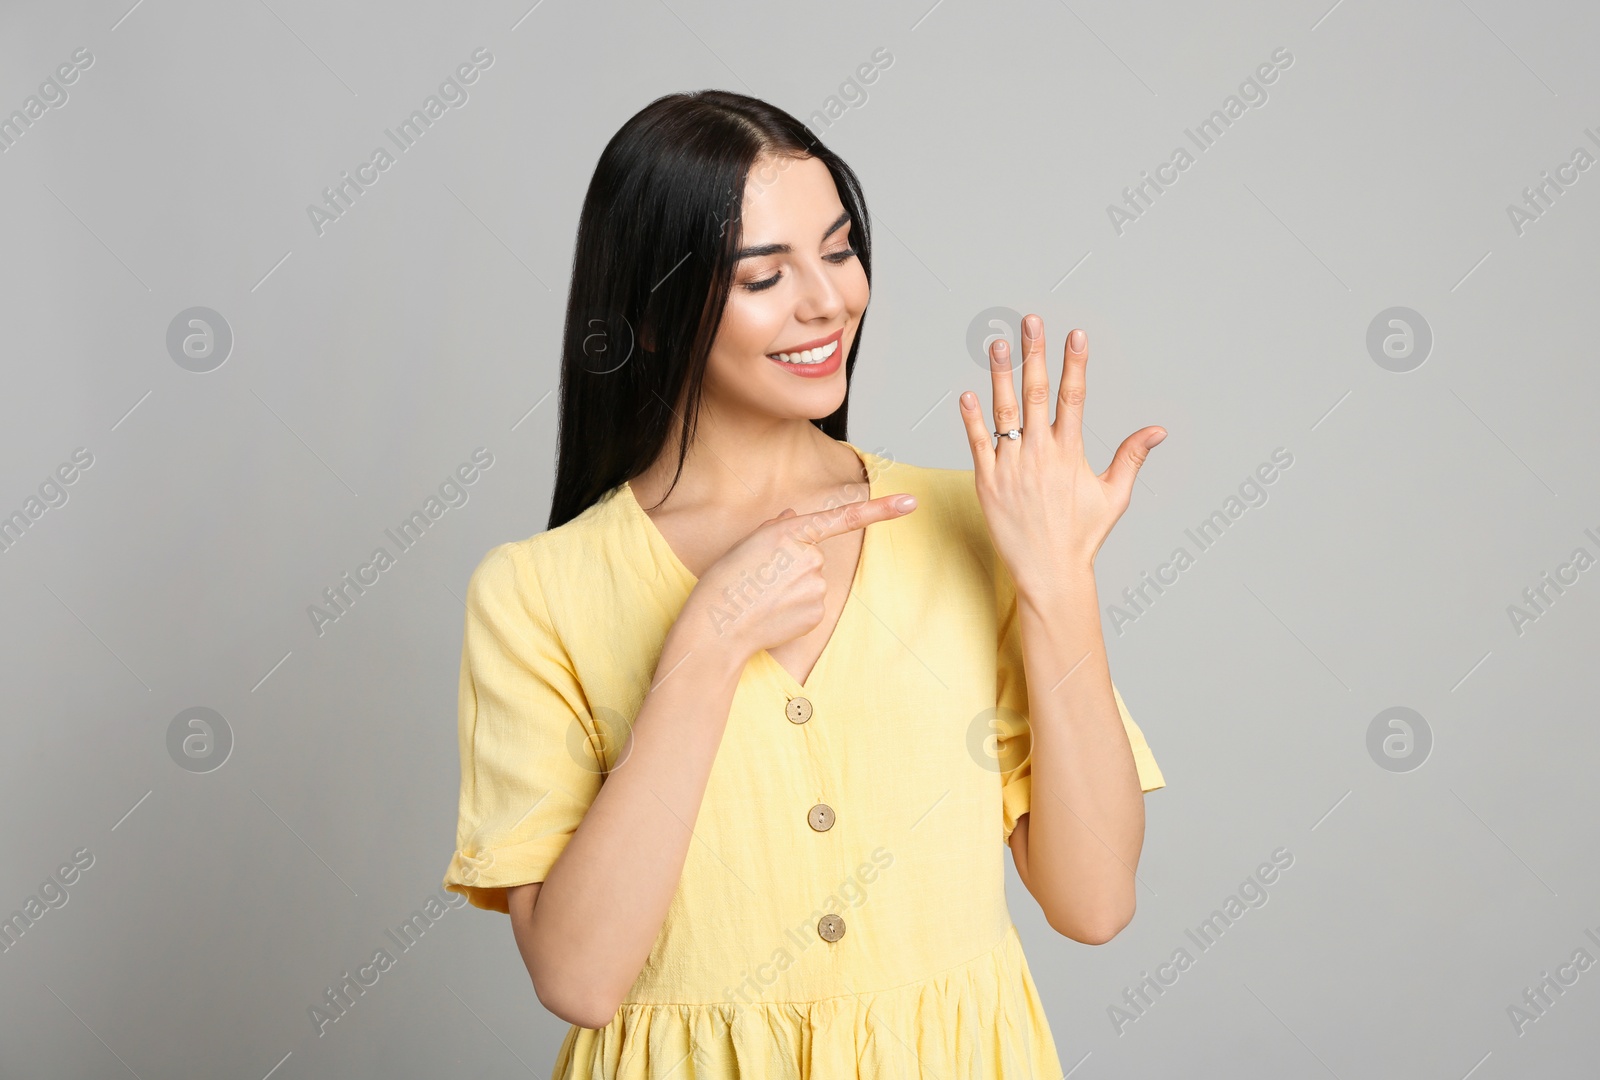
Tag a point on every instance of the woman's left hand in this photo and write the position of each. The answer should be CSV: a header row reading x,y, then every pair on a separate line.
x,y
1048,512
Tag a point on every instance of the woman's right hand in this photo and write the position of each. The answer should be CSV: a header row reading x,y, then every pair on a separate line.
x,y
768,588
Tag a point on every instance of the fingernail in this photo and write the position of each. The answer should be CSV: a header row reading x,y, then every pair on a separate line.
x,y
905,502
969,400
1030,326
1001,347
1076,340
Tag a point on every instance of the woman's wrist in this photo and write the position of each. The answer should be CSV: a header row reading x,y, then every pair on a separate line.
x,y
693,641
1056,586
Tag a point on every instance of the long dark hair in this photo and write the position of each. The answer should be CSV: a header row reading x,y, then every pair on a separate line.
x,y
651,273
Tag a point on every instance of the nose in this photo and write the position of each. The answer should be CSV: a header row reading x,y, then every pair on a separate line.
x,y
818,298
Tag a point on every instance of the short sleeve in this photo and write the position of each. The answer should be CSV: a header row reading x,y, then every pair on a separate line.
x,y
1013,745
528,766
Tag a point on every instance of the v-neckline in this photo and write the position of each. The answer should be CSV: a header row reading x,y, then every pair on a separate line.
x,y
792,686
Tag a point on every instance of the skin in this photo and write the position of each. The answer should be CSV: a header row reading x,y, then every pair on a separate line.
x,y
761,482
1048,513
757,415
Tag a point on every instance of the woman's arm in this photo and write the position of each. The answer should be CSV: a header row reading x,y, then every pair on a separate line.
x,y
1048,513
1077,847
586,931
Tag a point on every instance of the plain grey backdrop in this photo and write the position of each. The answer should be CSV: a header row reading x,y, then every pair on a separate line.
x,y
1380,265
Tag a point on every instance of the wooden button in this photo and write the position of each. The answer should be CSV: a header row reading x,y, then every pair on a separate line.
x,y
821,817
830,928
798,710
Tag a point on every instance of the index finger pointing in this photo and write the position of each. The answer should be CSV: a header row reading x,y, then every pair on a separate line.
x,y
818,526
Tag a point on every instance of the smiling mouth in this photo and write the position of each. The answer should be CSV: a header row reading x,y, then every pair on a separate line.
x,y
808,356
817,354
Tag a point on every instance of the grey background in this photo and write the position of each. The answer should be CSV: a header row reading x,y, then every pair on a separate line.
x,y
370,361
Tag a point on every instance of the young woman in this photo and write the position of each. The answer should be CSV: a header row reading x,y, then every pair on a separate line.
x,y
744,731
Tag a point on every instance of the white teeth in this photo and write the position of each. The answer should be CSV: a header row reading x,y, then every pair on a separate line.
x,y
809,356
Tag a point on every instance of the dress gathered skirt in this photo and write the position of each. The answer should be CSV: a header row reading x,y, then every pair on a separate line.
x,y
978,1019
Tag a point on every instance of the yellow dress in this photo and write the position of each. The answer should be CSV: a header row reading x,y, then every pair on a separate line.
x,y
842,908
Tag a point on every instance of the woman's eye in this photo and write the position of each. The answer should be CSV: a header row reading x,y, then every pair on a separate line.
x,y
767,283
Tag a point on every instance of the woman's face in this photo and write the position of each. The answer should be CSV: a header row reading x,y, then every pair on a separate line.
x,y
797,285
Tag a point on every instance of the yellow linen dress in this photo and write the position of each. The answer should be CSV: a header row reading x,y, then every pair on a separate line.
x,y
841,911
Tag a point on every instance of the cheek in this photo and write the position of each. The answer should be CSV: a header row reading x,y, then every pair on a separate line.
x,y
750,323
856,290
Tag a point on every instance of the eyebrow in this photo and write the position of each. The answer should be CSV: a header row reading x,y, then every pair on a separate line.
x,y
784,249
